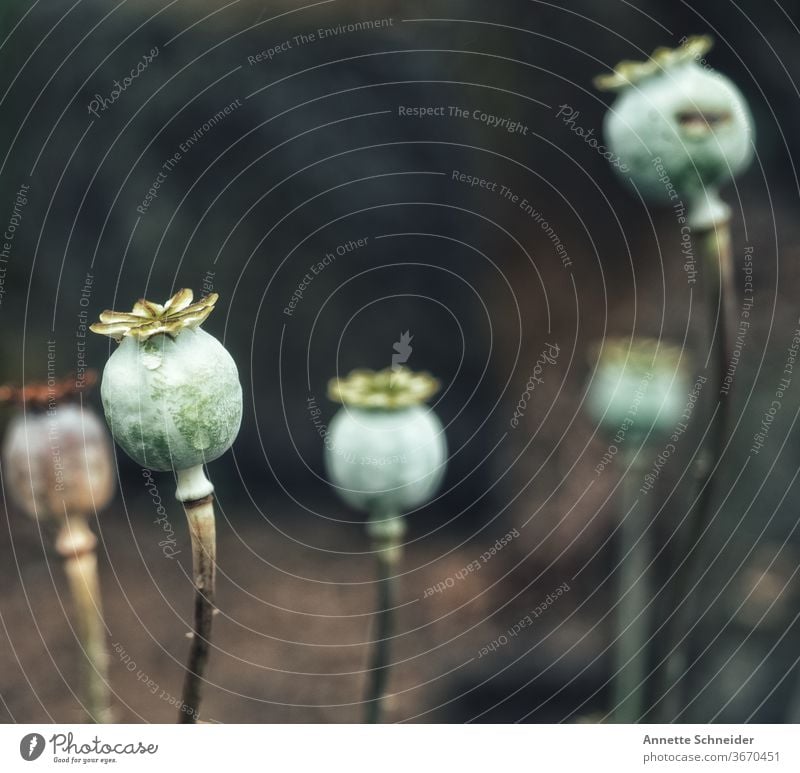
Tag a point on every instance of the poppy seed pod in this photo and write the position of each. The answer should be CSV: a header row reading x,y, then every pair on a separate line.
x,y
58,465
385,451
57,460
678,125
639,387
171,391
172,397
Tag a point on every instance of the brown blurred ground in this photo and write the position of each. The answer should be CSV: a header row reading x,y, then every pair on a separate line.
x,y
289,637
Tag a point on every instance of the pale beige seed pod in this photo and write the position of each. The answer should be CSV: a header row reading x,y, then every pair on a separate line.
x,y
58,460
58,467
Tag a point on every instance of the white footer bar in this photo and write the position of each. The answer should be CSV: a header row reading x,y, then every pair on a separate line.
x,y
400,748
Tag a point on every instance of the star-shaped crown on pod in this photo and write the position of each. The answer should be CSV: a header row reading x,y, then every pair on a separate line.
x,y
149,319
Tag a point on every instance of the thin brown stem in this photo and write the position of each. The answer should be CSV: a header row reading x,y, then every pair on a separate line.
x,y
76,544
200,515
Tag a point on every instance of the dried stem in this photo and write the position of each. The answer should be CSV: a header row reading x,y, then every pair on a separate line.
x,y
386,534
634,594
715,251
200,515
76,544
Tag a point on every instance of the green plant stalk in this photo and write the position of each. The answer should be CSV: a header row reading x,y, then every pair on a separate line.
x,y
715,252
634,594
386,534
76,544
793,711
200,516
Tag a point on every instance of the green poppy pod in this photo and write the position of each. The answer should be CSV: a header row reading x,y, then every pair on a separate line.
x,y
639,388
170,391
680,129
385,451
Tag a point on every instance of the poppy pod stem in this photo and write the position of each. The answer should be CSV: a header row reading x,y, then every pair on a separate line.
x,y
386,534
715,245
196,493
793,711
715,251
76,544
715,248
634,594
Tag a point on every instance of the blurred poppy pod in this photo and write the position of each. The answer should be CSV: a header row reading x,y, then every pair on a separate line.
x,y
637,393
639,387
386,454
386,450
58,464
171,391
681,129
57,454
